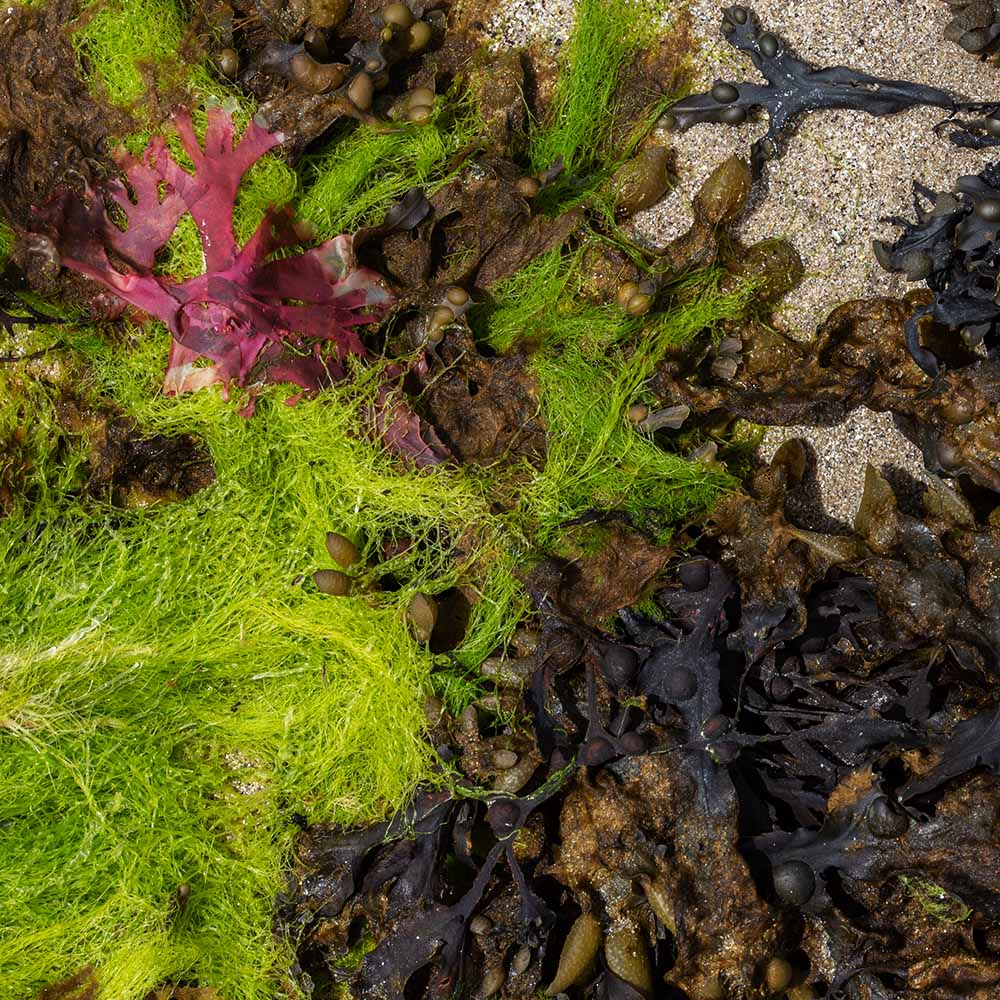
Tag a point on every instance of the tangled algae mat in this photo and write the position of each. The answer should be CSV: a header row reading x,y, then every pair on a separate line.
x,y
392,602
846,173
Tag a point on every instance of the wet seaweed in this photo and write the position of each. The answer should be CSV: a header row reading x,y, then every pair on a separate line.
x,y
794,88
791,733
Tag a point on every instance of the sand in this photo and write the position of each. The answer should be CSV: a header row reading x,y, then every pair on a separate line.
x,y
842,173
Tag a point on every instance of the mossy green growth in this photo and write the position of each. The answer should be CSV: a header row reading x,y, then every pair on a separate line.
x,y
592,362
606,35
126,44
171,691
362,171
935,900
6,242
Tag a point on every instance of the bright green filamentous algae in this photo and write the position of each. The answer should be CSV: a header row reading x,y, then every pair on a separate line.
x,y
173,687
171,692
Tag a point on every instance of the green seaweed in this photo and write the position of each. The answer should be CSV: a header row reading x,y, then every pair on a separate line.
x,y
356,176
6,241
606,35
171,694
591,362
935,900
126,44
173,688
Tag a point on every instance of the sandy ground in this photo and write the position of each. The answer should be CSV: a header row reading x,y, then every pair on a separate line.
x,y
842,173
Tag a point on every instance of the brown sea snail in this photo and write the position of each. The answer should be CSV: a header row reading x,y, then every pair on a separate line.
x,y
229,62
778,974
638,412
634,297
528,187
440,318
456,302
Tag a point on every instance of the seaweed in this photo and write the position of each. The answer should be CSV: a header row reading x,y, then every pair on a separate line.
x,y
951,247
975,25
803,767
239,313
794,88
192,674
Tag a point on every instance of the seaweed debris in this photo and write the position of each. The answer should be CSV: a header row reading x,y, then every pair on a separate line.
x,y
712,794
952,246
795,87
975,25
